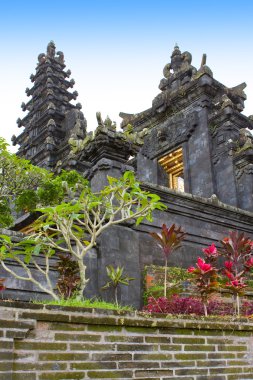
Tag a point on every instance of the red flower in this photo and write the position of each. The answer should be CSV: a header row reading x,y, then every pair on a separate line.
x,y
210,251
191,269
229,275
203,266
229,265
249,263
236,283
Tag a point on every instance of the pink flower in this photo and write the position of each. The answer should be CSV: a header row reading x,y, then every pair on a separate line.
x,y
203,266
210,251
191,269
228,265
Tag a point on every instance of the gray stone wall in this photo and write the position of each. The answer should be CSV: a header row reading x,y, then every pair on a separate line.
x,y
48,343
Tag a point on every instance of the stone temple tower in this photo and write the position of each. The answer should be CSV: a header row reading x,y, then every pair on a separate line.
x,y
52,119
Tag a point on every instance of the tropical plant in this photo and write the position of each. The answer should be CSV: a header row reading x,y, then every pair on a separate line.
x,y
69,279
191,305
238,249
169,240
116,277
2,287
205,280
73,227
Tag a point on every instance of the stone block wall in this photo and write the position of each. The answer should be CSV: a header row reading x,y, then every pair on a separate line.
x,y
53,343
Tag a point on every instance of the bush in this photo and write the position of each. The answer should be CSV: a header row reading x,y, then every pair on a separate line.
x,y
194,306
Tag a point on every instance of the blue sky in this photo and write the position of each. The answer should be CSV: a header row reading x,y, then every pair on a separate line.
x,y
116,50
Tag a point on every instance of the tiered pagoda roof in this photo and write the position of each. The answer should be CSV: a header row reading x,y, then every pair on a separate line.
x,y
51,117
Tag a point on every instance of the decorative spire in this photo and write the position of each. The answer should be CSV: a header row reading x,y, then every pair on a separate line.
x,y
51,115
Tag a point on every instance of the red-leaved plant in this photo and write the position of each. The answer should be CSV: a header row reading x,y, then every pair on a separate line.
x,y
2,287
238,249
168,240
204,279
193,305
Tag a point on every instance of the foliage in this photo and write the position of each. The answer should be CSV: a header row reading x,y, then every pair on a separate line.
x,y
17,175
238,250
2,287
73,227
86,303
169,240
177,281
205,280
69,280
116,277
191,305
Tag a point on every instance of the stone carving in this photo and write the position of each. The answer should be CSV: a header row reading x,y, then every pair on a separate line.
x,y
169,135
60,57
204,69
41,58
51,49
226,102
245,140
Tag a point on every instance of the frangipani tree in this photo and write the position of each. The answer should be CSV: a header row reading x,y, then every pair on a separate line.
x,y
74,227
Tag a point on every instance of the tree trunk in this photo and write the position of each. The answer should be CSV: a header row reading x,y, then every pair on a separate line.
x,y
83,280
165,278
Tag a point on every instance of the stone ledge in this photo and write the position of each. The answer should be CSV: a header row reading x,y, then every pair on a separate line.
x,y
25,311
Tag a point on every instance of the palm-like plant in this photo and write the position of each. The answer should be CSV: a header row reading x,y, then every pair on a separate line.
x,y
116,278
169,240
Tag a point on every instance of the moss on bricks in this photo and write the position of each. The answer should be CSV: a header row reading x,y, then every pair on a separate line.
x,y
92,347
124,338
149,356
62,356
23,376
157,339
199,347
91,319
191,371
110,374
171,331
5,356
77,337
221,355
188,340
190,356
111,357
136,364
141,330
242,376
53,366
71,375
170,347
5,366
137,347
151,373
213,333
225,370
40,346
177,364
93,365
227,347
211,363
6,376
103,328
50,317
58,326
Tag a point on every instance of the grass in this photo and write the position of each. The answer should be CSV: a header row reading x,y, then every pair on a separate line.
x,y
88,303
